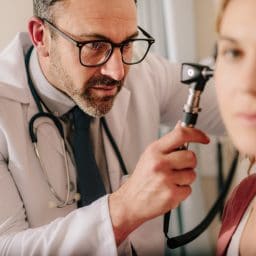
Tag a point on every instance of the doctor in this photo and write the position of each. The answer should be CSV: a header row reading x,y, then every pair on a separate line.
x,y
83,50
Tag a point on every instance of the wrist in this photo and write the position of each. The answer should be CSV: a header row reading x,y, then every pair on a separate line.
x,y
122,217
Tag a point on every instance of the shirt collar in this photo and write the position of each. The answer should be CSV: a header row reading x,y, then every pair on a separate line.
x,y
56,101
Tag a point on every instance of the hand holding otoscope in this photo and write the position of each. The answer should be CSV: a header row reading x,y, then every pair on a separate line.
x,y
196,76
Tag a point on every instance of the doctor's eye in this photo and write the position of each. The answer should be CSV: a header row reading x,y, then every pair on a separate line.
x,y
126,46
97,46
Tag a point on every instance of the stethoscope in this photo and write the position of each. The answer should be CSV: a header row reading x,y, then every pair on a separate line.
x,y
71,196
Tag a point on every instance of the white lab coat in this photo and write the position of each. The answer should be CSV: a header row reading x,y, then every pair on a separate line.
x,y
152,94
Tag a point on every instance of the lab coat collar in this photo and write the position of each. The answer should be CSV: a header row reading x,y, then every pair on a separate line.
x,y
12,62
55,100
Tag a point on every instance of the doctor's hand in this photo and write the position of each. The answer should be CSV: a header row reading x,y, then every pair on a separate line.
x,y
161,180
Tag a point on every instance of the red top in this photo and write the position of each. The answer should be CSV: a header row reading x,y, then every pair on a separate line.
x,y
234,211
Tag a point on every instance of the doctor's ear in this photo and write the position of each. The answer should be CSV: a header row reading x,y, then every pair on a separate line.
x,y
39,36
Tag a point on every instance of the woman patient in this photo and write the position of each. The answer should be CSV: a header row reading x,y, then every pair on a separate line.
x,y
235,79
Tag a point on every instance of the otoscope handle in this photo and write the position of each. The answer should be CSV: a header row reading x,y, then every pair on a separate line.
x,y
189,120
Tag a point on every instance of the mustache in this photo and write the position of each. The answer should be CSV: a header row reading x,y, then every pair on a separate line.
x,y
103,80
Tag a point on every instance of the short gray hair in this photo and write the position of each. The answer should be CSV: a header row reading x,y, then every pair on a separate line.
x,y
43,8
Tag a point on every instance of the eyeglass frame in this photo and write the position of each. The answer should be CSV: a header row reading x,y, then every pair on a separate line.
x,y
80,44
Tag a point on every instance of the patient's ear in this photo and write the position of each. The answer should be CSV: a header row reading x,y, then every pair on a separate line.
x,y
39,36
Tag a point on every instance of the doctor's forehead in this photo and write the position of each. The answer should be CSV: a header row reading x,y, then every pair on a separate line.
x,y
115,19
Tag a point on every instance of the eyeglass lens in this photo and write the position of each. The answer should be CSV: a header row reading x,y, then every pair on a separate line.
x,y
95,53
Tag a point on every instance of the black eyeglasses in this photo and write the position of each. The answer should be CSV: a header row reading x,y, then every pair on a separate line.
x,y
95,53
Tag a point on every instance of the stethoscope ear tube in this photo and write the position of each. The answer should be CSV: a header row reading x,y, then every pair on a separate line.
x,y
181,240
114,145
48,115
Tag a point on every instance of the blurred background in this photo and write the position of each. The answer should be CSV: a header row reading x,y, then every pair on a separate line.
x,y
184,29
185,32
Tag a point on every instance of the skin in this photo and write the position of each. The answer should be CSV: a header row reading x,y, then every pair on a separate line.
x,y
163,175
236,89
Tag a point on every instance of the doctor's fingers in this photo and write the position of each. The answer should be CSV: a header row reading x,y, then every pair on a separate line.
x,y
180,159
182,177
180,136
177,195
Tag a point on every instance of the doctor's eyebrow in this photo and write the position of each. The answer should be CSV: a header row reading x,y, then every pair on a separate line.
x,y
100,36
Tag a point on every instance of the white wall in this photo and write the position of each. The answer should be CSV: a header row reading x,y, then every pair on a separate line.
x,y
13,18
184,29
205,27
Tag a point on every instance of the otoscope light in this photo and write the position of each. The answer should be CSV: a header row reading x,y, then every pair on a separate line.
x,y
196,76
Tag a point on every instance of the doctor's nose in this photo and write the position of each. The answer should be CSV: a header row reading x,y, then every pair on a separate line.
x,y
114,67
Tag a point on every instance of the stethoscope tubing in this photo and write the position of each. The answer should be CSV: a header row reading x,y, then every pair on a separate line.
x,y
32,132
48,115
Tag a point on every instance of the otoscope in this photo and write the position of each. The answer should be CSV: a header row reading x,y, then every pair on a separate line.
x,y
196,76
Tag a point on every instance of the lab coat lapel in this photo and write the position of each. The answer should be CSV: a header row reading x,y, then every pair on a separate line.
x,y
19,89
116,120
14,87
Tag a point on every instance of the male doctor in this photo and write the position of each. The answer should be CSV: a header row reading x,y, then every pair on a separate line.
x,y
82,52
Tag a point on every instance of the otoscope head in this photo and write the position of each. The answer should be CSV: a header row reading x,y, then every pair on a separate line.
x,y
195,74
